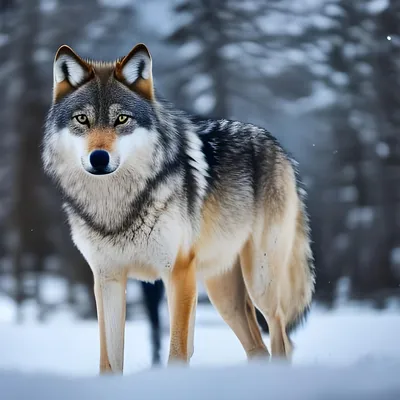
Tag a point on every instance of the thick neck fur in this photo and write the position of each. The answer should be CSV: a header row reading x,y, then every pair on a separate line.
x,y
113,203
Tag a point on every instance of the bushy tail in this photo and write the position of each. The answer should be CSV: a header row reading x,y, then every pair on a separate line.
x,y
301,275
301,268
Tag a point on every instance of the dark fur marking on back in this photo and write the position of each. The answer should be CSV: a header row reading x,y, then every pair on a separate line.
x,y
190,184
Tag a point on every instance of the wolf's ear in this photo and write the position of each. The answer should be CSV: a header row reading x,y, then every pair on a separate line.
x,y
69,72
135,70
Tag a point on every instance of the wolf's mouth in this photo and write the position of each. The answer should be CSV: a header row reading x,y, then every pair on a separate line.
x,y
94,171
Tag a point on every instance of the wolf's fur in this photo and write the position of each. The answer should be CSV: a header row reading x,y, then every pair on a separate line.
x,y
188,198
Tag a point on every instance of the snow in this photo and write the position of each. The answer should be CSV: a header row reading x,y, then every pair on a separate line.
x,y
364,68
350,50
348,352
377,6
333,10
7,310
342,292
366,381
296,56
117,3
190,50
321,69
232,51
95,31
281,23
382,149
160,14
199,83
48,6
322,22
204,104
340,78
63,346
53,289
320,97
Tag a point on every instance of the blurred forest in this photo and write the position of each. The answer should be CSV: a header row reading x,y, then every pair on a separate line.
x,y
322,75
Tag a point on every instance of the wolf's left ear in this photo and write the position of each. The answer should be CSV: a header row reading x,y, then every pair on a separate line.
x,y
69,72
135,70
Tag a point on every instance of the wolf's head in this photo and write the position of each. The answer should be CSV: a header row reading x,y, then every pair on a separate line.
x,y
103,116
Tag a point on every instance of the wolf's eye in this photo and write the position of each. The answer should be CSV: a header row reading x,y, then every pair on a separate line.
x,y
122,119
82,119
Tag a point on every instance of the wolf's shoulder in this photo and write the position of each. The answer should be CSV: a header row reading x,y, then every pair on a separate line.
x,y
232,132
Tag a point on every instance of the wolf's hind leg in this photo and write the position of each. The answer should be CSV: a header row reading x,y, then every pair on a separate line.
x,y
228,294
264,291
281,345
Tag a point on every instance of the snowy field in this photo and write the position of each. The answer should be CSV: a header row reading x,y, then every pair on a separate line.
x,y
355,344
68,347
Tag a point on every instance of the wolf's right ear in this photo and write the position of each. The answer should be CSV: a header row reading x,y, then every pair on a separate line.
x,y
69,72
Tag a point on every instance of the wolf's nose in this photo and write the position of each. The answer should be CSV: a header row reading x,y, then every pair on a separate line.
x,y
99,159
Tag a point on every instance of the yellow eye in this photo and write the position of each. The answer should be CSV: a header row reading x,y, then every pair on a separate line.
x,y
82,119
122,119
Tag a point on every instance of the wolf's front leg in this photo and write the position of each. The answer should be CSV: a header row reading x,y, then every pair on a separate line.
x,y
182,299
111,309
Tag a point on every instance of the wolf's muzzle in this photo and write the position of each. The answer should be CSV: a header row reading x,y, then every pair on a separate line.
x,y
100,162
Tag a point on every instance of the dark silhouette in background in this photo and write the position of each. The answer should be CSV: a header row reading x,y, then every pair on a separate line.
x,y
152,295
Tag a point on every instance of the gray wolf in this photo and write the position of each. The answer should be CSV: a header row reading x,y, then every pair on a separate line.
x,y
152,192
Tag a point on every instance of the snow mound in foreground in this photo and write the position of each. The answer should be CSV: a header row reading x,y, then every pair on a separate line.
x,y
367,380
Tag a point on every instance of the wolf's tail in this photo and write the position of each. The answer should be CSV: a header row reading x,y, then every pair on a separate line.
x,y
301,266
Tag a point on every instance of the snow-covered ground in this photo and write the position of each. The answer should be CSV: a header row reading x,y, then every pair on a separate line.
x,y
349,353
65,346
367,381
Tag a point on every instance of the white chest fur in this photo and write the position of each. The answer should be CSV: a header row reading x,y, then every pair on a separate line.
x,y
151,243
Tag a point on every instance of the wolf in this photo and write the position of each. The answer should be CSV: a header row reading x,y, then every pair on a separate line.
x,y
152,192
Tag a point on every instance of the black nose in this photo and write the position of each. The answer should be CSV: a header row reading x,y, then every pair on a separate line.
x,y
99,159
